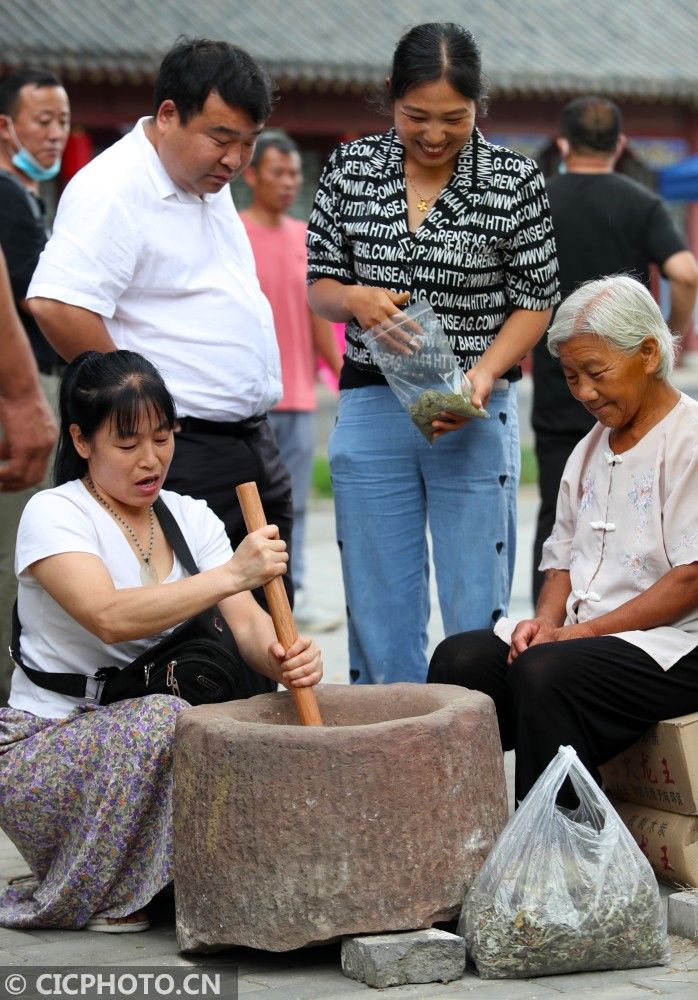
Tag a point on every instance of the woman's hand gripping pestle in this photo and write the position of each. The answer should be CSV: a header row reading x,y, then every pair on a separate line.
x,y
279,608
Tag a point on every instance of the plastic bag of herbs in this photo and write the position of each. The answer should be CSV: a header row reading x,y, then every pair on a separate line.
x,y
563,891
414,354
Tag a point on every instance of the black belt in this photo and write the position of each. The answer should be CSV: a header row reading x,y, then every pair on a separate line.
x,y
51,369
236,428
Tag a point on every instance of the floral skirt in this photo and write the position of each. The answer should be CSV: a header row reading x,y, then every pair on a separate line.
x,y
87,801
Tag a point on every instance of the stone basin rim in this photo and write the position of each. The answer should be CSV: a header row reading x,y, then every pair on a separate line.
x,y
432,714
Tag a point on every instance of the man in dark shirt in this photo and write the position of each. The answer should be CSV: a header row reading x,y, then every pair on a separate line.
x,y
34,128
604,224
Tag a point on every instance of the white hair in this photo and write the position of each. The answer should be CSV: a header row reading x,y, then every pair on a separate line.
x,y
619,310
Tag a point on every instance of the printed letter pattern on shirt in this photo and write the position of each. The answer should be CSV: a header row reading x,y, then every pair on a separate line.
x,y
485,248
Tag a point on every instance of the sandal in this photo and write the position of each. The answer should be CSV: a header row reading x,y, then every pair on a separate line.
x,y
130,924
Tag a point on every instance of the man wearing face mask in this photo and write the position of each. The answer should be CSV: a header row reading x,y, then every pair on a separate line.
x,y
34,128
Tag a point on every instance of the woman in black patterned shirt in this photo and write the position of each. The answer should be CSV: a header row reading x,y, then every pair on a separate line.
x,y
429,211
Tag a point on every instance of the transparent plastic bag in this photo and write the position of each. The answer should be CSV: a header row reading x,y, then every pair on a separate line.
x,y
416,358
564,891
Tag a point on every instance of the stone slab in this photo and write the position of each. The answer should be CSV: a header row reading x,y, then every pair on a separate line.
x,y
429,956
288,836
682,914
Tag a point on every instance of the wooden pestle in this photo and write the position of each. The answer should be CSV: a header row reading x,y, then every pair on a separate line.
x,y
279,608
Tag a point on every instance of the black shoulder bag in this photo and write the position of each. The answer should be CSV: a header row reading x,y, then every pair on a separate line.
x,y
198,661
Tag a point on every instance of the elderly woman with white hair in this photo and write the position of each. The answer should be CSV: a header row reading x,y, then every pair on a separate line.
x,y
621,565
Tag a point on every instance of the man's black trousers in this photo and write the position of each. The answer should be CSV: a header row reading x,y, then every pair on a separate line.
x,y
209,464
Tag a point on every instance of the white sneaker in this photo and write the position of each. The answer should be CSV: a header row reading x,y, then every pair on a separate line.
x,y
310,617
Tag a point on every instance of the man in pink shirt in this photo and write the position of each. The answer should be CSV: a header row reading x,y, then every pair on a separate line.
x,y
278,243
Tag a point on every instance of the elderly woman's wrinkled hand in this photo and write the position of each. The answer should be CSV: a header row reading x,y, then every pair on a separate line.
x,y
581,630
301,666
534,631
529,632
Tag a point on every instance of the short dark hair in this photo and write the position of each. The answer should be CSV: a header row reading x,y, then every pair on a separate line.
x,y
438,51
591,123
11,86
117,386
273,140
197,67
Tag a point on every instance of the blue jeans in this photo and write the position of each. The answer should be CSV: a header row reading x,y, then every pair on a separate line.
x,y
389,484
295,435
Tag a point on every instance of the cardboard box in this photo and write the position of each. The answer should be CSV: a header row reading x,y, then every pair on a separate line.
x,y
661,769
669,841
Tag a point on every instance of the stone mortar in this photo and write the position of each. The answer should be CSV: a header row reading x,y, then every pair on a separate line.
x,y
287,836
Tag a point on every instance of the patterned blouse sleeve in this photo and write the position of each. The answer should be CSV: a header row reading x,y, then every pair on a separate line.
x,y
680,513
531,264
329,254
558,547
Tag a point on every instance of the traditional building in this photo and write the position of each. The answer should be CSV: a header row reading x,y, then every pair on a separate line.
x,y
329,59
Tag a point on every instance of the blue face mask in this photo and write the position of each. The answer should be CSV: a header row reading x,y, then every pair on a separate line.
x,y
25,162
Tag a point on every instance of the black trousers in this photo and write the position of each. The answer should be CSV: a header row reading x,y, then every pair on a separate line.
x,y
208,466
597,695
552,452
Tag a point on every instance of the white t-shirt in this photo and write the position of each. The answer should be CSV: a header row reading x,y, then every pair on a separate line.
x,y
69,519
623,522
173,277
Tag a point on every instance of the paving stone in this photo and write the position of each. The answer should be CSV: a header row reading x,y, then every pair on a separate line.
x,y
287,836
11,939
682,914
430,956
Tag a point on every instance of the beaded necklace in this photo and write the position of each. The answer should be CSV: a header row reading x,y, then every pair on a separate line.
x,y
148,575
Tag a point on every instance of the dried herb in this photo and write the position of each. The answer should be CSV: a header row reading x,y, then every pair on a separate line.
x,y
432,402
618,930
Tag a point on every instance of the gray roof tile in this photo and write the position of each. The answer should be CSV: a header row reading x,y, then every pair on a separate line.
x,y
631,48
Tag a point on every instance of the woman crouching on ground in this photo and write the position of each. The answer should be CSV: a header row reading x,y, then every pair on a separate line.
x,y
85,790
613,645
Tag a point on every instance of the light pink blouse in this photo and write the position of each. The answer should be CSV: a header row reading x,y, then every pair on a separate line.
x,y
623,521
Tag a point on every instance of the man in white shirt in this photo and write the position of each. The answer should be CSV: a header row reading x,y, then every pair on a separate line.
x,y
148,253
